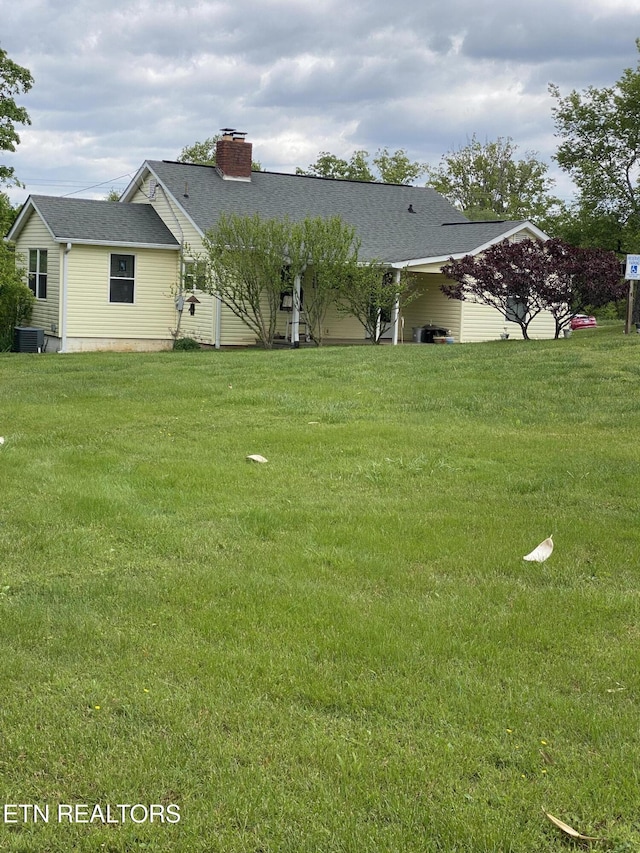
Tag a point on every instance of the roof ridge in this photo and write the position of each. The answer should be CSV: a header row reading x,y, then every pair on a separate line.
x,y
299,175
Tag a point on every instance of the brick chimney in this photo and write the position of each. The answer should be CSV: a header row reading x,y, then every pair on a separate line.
x,y
233,156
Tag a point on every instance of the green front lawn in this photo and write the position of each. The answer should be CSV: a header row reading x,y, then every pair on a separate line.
x,y
341,650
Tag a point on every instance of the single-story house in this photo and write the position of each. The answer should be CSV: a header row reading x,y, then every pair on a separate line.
x,y
110,275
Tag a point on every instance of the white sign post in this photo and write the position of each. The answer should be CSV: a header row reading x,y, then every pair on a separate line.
x,y
632,273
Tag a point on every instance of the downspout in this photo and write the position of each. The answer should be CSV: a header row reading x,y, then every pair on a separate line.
x,y
396,309
63,298
181,252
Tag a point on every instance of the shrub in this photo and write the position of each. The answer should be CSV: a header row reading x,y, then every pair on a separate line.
x,y
186,344
16,305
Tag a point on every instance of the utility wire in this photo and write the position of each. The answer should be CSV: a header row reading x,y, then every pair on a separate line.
x,y
95,186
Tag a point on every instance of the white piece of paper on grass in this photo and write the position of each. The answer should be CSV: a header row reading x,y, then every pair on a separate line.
x,y
542,552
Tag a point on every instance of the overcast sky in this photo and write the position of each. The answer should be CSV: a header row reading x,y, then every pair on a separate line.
x,y
121,81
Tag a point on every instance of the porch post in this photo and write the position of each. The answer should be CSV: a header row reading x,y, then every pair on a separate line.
x,y
395,315
217,333
295,315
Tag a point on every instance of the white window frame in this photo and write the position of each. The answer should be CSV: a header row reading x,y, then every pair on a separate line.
x,y
194,274
36,278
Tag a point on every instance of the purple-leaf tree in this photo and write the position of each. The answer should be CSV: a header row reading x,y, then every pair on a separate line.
x,y
580,279
522,279
507,277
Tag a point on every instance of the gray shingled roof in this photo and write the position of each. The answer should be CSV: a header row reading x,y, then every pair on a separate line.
x,y
90,221
380,212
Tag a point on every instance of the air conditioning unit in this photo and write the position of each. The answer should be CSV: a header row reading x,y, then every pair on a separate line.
x,y
28,339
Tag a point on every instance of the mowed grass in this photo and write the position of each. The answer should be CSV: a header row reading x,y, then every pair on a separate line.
x,y
341,649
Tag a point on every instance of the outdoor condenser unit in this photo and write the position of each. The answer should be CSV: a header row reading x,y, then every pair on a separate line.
x,y
28,339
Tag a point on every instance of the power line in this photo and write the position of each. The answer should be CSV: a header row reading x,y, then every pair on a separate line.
x,y
95,186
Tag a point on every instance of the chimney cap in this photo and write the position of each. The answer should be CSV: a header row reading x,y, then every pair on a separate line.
x,y
232,133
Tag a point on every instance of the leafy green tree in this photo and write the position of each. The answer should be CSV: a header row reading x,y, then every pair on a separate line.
x,y
251,260
395,168
487,181
245,258
600,150
14,80
204,153
8,214
323,252
370,293
16,300
329,166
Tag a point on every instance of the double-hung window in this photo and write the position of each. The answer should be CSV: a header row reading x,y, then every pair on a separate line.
x,y
38,273
195,275
516,309
122,278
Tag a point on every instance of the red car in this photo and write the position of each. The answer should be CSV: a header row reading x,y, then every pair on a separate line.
x,y
581,321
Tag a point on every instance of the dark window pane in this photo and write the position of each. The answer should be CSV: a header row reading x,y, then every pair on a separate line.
x,y
121,290
122,266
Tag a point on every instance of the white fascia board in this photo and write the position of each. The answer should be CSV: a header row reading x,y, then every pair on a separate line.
x,y
28,208
418,262
117,244
521,226
504,235
136,182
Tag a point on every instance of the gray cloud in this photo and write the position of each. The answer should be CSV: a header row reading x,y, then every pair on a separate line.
x,y
118,82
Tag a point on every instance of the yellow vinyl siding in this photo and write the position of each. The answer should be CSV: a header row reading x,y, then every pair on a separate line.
x,y
432,308
91,315
180,226
34,235
200,326
483,323
341,327
234,332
